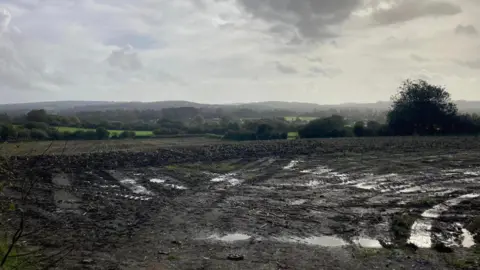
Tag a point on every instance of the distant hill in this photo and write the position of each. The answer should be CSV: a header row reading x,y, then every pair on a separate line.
x,y
300,107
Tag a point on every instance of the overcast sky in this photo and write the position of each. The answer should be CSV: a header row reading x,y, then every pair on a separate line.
x,y
220,51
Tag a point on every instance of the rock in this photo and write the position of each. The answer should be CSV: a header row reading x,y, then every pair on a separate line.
x,y
163,252
235,257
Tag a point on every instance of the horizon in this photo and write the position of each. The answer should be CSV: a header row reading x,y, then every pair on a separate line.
x,y
236,51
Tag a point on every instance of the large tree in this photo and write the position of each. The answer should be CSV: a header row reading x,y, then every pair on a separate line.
x,y
333,126
421,108
37,116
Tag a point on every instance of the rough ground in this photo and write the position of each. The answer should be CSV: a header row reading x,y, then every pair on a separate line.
x,y
331,204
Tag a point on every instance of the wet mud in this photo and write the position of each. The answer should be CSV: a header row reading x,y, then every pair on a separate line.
x,y
292,211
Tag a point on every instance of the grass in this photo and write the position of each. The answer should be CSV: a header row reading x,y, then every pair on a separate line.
x,y
292,135
84,146
112,131
15,260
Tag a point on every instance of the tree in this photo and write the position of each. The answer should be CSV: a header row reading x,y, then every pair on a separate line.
x,y
7,131
102,133
421,108
359,129
23,134
263,132
4,118
198,120
333,126
37,116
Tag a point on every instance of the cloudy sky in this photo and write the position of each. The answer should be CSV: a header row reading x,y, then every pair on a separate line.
x,y
220,51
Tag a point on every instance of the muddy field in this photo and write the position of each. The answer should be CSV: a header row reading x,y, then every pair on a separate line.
x,y
417,208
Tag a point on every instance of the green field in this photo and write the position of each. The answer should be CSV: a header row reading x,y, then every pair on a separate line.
x,y
303,118
292,135
112,132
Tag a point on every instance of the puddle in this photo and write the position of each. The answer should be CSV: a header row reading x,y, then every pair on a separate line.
x,y
176,186
61,180
420,234
323,241
131,197
375,182
367,243
297,202
467,240
291,165
230,237
109,186
229,178
157,181
313,183
412,190
438,209
134,187
366,186
163,181
321,170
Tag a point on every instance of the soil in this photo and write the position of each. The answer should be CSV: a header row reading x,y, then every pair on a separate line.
x,y
403,203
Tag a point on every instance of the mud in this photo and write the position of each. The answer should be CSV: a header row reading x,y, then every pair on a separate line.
x,y
291,209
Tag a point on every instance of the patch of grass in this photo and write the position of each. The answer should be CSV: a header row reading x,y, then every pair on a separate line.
x,y
172,258
141,133
293,135
171,167
464,263
15,260
365,253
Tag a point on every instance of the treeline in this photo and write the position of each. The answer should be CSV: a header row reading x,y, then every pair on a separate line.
x,y
419,108
41,131
38,125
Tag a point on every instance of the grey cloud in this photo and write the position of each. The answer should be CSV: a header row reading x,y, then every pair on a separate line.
x,y
466,30
22,72
418,58
311,19
125,59
315,59
407,10
317,70
166,77
5,18
285,69
474,64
